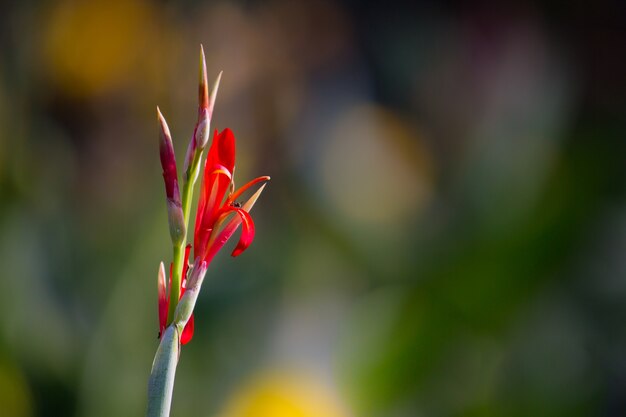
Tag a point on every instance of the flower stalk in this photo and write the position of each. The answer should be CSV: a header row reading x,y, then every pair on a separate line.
x,y
161,382
206,104
218,216
163,373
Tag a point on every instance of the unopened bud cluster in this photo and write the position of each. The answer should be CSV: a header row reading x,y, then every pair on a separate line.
x,y
197,144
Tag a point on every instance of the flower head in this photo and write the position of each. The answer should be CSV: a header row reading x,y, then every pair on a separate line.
x,y
218,215
218,202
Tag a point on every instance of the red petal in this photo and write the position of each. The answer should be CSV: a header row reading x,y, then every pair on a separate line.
x,y
163,302
247,233
221,154
242,189
185,266
187,332
215,183
222,150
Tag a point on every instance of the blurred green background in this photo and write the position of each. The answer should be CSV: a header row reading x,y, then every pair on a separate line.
x,y
444,233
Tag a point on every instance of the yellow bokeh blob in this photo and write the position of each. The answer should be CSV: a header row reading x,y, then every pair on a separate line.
x,y
92,46
283,394
15,397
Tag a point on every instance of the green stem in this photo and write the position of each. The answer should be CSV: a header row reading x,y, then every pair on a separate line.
x,y
179,249
161,383
190,181
177,270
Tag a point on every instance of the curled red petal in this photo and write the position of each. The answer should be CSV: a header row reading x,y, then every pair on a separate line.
x,y
187,332
231,227
247,232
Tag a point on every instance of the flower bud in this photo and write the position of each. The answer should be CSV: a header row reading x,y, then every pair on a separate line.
x,y
203,88
201,133
216,87
176,221
202,130
170,176
168,160
206,104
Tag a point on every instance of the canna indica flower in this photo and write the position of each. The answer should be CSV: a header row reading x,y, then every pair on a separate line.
x,y
219,214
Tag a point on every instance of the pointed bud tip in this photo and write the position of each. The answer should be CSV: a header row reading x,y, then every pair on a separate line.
x,y
202,66
165,130
216,86
161,277
203,89
160,116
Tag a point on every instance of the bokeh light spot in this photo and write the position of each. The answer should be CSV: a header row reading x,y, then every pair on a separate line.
x,y
93,46
283,394
375,169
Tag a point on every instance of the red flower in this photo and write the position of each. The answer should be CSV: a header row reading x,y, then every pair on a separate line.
x,y
164,301
218,201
